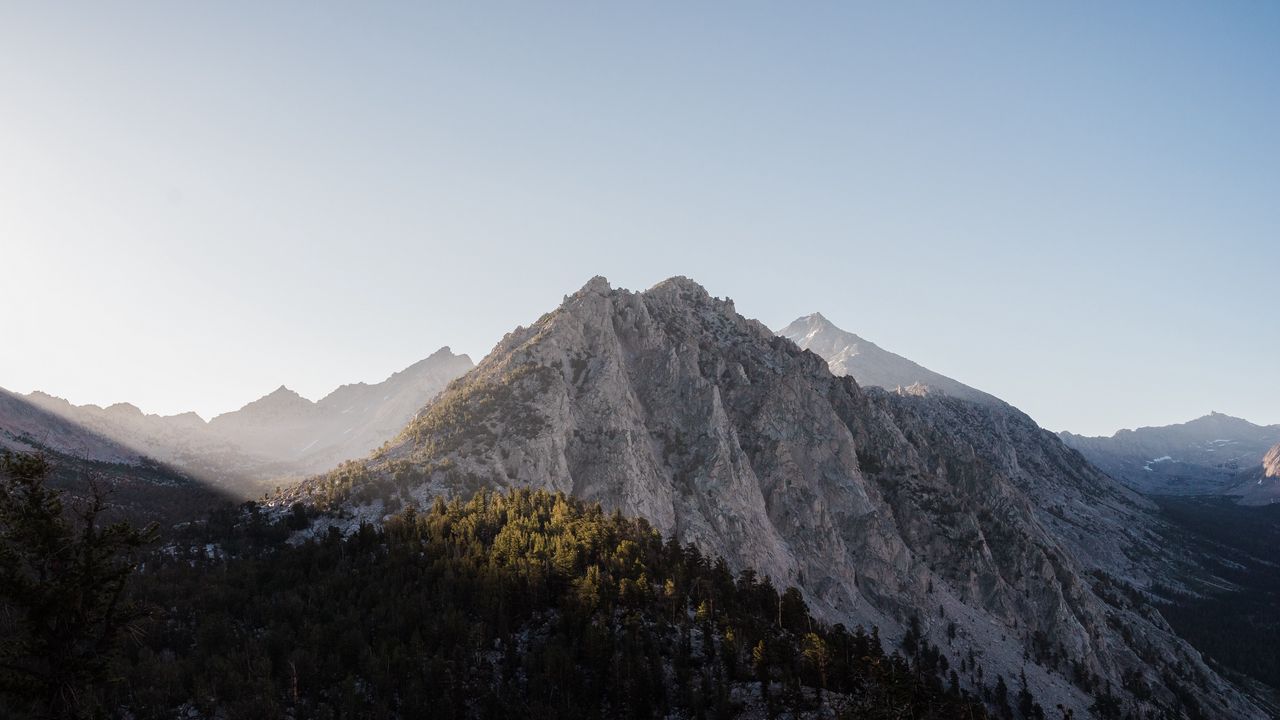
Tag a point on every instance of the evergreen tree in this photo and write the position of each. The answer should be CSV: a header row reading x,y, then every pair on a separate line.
x,y
62,577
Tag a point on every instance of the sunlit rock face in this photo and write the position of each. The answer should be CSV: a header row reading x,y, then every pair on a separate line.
x,y
1259,485
669,405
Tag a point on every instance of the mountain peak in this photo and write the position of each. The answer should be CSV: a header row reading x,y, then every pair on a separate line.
x,y
817,319
124,408
284,392
1216,419
281,401
680,283
598,285
869,364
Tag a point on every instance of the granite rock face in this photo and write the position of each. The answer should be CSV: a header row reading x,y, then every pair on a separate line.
x,y
880,506
1260,485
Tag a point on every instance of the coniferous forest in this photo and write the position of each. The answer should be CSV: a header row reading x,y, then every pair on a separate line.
x,y
506,605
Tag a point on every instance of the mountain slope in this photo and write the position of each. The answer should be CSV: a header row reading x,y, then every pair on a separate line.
x,y
350,422
138,487
26,426
1200,457
281,435
881,506
868,363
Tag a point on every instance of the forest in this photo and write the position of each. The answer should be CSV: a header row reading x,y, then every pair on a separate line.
x,y
1234,623
505,605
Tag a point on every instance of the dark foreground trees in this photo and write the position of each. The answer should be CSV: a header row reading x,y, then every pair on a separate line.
x,y
508,605
63,614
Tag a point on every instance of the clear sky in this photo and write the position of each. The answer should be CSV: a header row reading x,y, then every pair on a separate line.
x,y
1074,206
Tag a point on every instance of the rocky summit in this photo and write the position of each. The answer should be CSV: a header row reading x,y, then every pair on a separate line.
x,y
1010,551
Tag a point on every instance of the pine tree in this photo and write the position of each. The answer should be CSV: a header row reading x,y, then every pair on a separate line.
x,y
62,579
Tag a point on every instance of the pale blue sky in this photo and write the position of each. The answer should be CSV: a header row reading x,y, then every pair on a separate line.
x,y
1075,206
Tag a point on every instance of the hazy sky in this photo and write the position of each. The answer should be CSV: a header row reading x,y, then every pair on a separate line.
x,y
1074,206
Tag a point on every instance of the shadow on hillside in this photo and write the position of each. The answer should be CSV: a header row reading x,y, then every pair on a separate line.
x,y
1233,620
138,488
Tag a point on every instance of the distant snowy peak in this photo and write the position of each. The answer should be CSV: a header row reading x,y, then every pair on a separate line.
x,y
870,364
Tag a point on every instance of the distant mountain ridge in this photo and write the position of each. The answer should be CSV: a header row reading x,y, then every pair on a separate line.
x,y
279,436
348,423
1205,456
138,487
26,426
870,364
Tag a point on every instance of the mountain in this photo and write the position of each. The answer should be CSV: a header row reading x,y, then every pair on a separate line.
x,y
350,422
1009,551
869,364
138,487
181,441
277,437
25,427
1202,457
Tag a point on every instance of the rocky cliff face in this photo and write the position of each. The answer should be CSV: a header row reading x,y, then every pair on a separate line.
x,y
881,506
1260,485
871,365
1200,457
